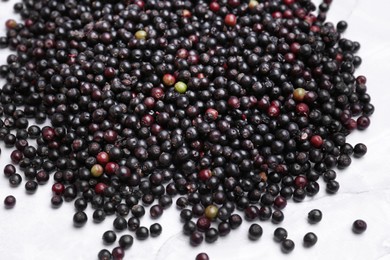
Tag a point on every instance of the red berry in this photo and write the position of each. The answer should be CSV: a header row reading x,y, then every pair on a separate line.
x,y
234,102
102,158
214,6
230,20
288,2
300,181
277,15
295,47
147,120
234,3
157,93
48,134
169,80
273,111
361,80
58,188
100,187
140,3
280,202
110,168
109,72
182,54
202,256
351,124
302,109
205,174
316,141
211,114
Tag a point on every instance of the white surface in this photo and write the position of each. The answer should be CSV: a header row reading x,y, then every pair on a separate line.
x,y
33,230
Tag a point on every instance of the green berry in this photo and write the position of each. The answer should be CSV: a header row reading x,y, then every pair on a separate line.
x,y
181,87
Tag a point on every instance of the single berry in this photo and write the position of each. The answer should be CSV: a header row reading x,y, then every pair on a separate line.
x,y
180,87
310,239
314,216
255,232
359,226
202,256
109,237
9,201
155,230
126,241
287,245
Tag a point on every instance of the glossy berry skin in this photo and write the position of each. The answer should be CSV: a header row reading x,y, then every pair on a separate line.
x,y
203,223
15,179
140,35
211,114
205,174
216,101
299,94
230,20
255,232
280,202
359,226
104,254
202,256
102,158
80,218
126,241
211,235
235,221
316,141
142,233
97,170
277,216
109,237
118,253
156,211
168,80
314,216
310,239
332,186
133,223
155,230
9,201
58,188
120,223
196,238
56,201
287,245
180,87
280,234
359,150
211,212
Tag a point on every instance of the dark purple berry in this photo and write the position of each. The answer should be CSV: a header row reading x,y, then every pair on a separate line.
x,y
314,216
287,245
202,256
9,201
255,232
309,239
359,226
280,234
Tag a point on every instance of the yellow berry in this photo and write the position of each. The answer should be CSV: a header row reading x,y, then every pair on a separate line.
x,y
140,35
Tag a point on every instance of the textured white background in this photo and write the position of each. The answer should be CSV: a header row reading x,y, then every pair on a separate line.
x,y
33,230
